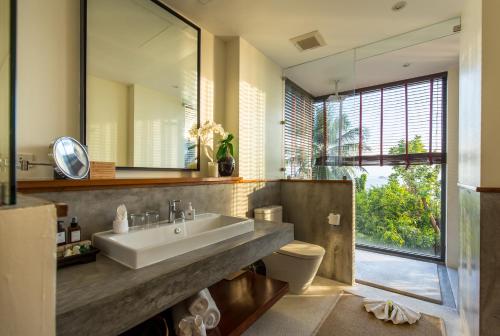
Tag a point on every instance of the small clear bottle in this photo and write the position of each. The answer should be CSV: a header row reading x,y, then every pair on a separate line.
x,y
61,233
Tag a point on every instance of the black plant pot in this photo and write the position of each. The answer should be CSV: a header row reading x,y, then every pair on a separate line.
x,y
226,166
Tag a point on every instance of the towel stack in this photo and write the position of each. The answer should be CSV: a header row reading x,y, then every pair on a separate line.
x,y
195,315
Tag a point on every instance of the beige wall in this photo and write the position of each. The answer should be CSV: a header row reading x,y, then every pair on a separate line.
x,y
28,268
490,109
452,210
48,77
4,92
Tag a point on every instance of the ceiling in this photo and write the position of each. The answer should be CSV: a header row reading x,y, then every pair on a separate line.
x,y
426,58
345,24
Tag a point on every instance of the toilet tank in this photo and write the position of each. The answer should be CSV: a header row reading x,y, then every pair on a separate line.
x,y
273,213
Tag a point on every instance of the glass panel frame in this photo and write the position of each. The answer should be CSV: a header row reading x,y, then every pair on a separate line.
x,y
8,103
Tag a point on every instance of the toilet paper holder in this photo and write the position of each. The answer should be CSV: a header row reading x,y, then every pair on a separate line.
x,y
333,219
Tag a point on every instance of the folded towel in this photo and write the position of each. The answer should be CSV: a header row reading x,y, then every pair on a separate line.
x,y
388,310
204,305
186,324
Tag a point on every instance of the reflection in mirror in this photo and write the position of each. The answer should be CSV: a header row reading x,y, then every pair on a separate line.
x,y
142,85
7,73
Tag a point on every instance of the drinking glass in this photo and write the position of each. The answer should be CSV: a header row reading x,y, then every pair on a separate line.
x,y
152,218
137,220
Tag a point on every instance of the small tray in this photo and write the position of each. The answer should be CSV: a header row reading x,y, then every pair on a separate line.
x,y
83,258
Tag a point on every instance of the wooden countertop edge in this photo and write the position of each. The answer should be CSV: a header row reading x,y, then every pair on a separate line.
x,y
37,186
486,190
318,181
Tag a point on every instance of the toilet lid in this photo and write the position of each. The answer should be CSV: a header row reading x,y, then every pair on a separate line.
x,y
303,250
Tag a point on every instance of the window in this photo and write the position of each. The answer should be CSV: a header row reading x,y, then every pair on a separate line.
x,y
298,133
389,139
379,123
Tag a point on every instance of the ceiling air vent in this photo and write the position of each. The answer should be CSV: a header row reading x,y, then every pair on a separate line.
x,y
308,41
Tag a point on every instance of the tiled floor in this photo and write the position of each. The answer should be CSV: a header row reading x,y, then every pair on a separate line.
x,y
402,275
300,315
424,280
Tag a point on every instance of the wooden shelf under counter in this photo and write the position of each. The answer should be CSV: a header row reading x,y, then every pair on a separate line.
x,y
243,300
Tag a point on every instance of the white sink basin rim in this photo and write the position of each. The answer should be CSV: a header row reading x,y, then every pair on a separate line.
x,y
145,246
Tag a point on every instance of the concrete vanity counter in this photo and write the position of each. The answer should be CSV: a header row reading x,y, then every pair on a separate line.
x,y
106,298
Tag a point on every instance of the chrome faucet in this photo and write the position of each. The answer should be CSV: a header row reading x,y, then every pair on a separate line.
x,y
173,212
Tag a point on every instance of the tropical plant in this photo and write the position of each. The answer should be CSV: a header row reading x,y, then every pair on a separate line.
x,y
206,135
225,146
405,212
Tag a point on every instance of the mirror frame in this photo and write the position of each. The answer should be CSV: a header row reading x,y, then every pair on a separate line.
x,y
83,83
12,186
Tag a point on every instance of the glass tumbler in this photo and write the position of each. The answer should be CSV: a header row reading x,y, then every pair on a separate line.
x,y
137,220
152,218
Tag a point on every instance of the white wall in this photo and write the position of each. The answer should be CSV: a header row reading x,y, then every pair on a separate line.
x,y
452,210
470,97
260,110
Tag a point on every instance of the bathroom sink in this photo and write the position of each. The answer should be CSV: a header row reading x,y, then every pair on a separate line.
x,y
141,247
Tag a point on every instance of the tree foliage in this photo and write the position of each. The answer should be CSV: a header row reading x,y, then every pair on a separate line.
x,y
405,212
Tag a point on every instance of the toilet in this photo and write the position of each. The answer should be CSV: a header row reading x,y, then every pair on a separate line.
x,y
295,263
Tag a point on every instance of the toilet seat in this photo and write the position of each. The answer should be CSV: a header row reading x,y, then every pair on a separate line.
x,y
303,250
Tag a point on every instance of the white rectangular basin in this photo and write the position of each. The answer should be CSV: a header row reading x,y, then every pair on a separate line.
x,y
145,246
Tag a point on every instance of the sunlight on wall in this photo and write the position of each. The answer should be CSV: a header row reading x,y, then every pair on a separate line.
x,y
242,193
239,206
252,132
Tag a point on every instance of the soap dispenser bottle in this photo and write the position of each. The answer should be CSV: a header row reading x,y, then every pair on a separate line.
x,y
74,231
190,212
61,233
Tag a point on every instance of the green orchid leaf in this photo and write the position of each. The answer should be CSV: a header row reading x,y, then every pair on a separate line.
x,y
231,149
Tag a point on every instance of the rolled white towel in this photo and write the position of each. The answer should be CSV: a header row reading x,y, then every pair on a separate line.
x,y
186,324
211,316
198,303
204,305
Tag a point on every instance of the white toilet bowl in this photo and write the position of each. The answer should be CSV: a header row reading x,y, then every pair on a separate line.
x,y
295,263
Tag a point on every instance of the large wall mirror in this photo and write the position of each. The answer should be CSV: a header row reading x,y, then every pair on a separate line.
x,y
140,84
7,101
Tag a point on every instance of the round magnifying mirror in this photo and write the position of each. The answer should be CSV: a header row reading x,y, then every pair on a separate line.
x,y
70,157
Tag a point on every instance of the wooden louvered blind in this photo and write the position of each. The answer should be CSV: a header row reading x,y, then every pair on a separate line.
x,y
298,132
377,120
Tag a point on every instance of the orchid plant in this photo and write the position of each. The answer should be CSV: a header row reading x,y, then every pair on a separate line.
x,y
206,134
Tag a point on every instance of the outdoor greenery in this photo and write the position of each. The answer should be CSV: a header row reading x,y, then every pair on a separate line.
x,y
405,212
